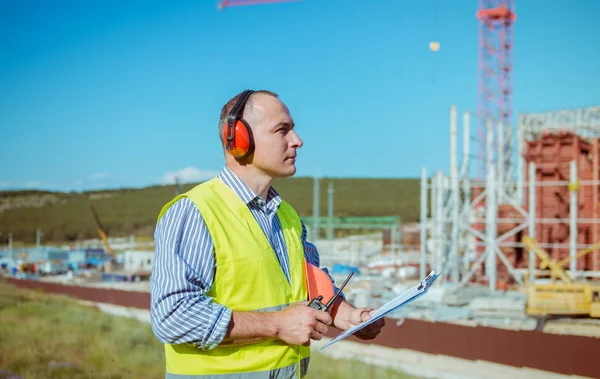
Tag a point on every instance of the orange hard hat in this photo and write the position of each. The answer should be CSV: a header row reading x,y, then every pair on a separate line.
x,y
318,283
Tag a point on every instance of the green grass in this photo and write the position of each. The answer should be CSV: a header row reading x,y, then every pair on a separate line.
x,y
46,336
52,337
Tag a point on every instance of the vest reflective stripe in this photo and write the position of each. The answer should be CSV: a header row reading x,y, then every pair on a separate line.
x,y
290,371
248,277
272,309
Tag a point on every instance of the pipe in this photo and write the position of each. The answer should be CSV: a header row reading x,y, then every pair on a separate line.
x,y
573,218
454,199
423,225
490,217
520,166
316,193
532,214
330,193
595,201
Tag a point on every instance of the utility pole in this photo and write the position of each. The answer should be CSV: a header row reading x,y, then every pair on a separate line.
x,y
316,193
38,237
330,193
38,242
10,245
178,188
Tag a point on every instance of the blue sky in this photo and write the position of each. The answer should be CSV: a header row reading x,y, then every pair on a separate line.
x,y
107,94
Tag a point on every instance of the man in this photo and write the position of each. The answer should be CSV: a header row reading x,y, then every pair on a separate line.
x,y
227,289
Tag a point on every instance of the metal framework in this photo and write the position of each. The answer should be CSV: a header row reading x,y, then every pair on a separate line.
x,y
452,243
330,222
582,121
495,76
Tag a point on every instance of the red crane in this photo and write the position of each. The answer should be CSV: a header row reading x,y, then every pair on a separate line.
x,y
238,3
496,18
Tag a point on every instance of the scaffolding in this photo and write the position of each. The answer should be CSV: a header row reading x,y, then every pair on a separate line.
x,y
469,224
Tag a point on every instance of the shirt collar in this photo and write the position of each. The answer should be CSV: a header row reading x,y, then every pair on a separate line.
x,y
244,192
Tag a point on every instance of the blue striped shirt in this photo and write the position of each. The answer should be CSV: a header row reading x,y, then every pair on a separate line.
x,y
184,267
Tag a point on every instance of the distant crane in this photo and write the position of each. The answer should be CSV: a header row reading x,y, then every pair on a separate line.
x,y
102,232
238,3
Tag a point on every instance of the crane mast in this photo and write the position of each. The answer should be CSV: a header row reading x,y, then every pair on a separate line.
x,y
496,18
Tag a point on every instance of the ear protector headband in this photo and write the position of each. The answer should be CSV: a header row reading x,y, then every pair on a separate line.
x,y
237,134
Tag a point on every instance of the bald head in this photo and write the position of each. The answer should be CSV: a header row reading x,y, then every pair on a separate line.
x,y
251,110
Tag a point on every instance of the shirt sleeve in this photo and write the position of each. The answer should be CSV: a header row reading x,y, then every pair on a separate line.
x,y
311,254
182,274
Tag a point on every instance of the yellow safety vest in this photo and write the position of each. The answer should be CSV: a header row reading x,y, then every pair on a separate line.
x,y
248,277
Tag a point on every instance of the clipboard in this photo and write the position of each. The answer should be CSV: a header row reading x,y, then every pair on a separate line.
x,y
394,304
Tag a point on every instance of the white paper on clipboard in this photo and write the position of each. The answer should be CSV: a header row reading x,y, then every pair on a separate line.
x,y
396,303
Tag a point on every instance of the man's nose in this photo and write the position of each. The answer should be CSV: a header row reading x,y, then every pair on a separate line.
x,y
296,141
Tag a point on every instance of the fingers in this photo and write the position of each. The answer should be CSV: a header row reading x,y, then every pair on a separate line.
x,y
355,317
324,317
360,315
314,335
321,328
365,315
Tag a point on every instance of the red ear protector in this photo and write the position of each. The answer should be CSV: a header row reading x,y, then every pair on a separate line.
x,y
237,134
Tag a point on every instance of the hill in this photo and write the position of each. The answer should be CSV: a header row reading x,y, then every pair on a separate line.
x,y
67,216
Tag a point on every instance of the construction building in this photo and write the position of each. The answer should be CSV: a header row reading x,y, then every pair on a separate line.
x,y
552,195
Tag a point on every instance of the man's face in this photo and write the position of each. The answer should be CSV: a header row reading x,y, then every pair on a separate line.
x,y
275,140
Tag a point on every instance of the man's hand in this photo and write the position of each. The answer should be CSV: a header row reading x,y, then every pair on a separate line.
x,y
346,316
298,324
370,331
